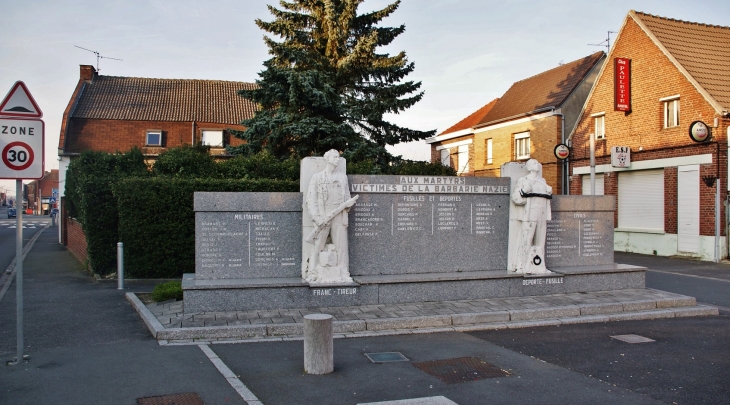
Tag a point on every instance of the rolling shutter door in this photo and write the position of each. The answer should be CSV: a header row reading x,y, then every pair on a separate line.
x,y
641,200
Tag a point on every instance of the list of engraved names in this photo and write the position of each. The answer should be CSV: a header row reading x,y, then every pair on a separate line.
x,y
257,234
441,206
577,235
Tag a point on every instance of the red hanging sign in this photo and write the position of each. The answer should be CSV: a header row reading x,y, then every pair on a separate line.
x,y
622,84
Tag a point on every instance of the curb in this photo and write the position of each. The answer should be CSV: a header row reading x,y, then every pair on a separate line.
x,y
678,307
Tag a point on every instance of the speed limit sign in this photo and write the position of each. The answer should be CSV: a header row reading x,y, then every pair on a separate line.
x,y
22,135
21,149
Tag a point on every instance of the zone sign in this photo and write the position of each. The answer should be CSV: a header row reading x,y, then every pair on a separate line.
x,y
21,149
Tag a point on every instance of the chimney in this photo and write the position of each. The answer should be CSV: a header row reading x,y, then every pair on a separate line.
x,y
88,73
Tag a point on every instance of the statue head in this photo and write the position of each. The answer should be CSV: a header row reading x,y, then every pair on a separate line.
x,y
332,157
533,165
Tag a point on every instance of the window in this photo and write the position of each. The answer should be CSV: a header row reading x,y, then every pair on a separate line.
x,y
213,138
445,157
488,147
154,138
522,145
671,111
599,126
463,159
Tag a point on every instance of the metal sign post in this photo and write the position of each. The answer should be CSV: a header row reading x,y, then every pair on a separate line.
x,y
19,270
22,141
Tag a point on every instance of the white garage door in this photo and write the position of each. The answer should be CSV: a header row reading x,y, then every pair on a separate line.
x,y
688,208
641,200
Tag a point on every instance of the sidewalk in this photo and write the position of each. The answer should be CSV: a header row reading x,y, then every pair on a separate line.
x,y
89,347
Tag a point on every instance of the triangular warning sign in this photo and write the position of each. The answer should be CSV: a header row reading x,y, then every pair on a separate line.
x,y
19,103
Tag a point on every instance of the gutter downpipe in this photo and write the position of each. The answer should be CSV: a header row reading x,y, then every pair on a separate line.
x,y
192,135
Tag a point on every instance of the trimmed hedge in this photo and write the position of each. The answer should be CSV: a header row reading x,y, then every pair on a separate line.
x,y
157,221
89,182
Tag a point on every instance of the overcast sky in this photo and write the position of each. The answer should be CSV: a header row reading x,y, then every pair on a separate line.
x,y
467,52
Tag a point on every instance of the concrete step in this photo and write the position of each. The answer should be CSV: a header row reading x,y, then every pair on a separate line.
x,y
471,315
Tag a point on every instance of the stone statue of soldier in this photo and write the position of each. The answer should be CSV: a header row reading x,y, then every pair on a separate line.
x,y
328,202
532,195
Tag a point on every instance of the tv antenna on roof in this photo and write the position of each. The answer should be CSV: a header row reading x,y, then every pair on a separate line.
x,y
606,42
98,56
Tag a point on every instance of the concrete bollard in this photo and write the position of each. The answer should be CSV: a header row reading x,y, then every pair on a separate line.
x,y
318,346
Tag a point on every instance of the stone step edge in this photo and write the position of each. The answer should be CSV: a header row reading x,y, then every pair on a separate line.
x,y
699,310
571,313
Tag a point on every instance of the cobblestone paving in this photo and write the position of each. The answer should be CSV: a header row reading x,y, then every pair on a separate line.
x,y
171,315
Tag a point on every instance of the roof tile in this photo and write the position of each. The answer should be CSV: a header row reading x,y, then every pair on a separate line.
x,y
471,120
702,49
542,91
145,99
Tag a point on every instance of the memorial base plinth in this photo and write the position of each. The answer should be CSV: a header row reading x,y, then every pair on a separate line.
x,y
283,293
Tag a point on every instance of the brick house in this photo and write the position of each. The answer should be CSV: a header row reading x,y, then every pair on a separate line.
x,y
528,121
678,73
111,113
40,192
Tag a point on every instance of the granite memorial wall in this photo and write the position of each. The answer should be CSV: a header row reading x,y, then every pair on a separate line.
x,y
423,224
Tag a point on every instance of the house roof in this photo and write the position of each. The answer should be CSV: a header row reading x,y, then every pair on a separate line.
x,y
473,119
546,90
703,50
144,99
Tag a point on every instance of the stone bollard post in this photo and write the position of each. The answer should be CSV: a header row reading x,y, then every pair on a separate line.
x,y
318,346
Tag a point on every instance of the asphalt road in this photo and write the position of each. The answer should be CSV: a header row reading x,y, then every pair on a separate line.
x,y
689,362
88,346
31,223
707,281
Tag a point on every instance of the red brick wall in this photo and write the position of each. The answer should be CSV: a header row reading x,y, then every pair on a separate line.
x,y
670,199
118,135
653,76
75,240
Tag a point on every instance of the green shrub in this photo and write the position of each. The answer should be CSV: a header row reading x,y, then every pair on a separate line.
x,y
90,178
168,291
260,166
186,161
157,221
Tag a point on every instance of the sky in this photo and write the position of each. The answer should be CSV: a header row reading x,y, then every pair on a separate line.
x,y
466,52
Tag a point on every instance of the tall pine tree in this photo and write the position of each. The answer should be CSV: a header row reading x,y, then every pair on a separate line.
x,y
327,87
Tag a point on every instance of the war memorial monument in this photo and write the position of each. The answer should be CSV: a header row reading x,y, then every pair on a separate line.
x,y
368,240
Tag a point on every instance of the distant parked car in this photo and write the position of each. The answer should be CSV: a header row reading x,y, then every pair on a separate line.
x,y
11,213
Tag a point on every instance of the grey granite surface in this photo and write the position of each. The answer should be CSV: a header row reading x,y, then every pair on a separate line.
x,y
422,224
260,239
583,203
202,300
242,202
578,235
247,294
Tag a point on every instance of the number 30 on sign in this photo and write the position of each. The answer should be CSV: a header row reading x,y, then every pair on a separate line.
x,y
21,149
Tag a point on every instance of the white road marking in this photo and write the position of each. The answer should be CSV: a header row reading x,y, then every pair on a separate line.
x,y
440,400
237,385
